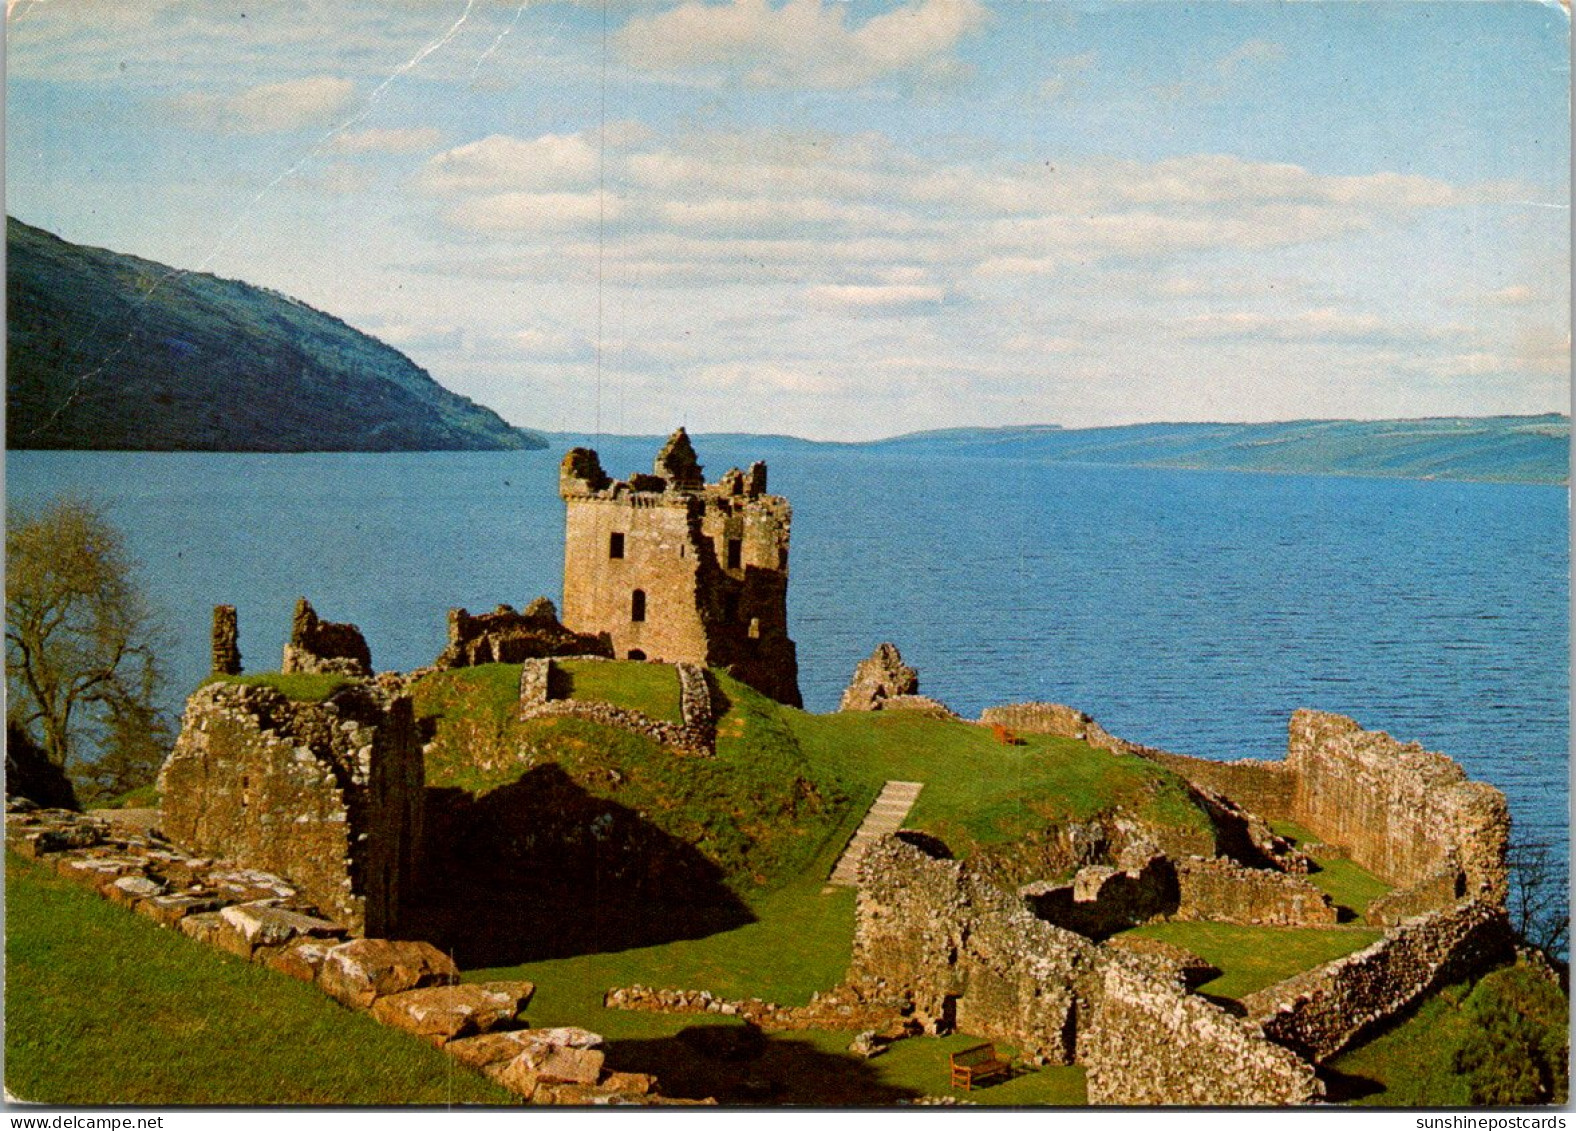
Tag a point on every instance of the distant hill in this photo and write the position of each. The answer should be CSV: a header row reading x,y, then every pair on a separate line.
x,y
1506,449
108,351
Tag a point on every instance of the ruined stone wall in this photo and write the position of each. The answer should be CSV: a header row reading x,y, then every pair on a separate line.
x,y
1150,1043
710,562
697,734
504,636
328,794
1223,891
966,954
322,646
1039,718
1320,1012
1264,788
1400,810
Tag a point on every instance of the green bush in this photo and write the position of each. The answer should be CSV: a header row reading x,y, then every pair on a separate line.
x,y
1517,1052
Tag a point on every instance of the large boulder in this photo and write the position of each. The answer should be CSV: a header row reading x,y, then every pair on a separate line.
x,y
442,1013
553,1056
358,973
883,676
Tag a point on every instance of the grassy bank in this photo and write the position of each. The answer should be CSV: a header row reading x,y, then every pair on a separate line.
x,y
105,1007
1251,958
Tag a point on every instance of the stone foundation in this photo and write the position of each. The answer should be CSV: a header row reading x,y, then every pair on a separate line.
x,y
1225,892
696,735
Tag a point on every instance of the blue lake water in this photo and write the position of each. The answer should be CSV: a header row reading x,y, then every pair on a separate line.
x,y
1188,610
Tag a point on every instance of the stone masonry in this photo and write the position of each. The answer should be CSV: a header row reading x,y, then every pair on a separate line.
x,y
226,641
321,646
329,794
670,567
505,636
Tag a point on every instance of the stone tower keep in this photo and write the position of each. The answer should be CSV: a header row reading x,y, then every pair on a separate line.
x,y
673,568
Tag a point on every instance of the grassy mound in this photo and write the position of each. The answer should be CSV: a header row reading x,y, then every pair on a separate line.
x,y
979,792
1346,882
652,689
760,811
104,1007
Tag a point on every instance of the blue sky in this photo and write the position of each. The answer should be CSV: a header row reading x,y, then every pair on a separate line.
x,y
846,219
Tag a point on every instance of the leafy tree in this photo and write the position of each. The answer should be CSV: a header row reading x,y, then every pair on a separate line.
x,y
82,667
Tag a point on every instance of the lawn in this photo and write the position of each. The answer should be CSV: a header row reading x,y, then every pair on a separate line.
x,y
651,689
1346,882
1252,958
103,1006
303,687
981,792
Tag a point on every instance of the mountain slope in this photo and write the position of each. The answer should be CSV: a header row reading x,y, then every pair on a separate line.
x,y
1511,449
108,351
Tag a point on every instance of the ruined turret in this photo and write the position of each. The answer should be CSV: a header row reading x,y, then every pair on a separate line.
x,y
670,567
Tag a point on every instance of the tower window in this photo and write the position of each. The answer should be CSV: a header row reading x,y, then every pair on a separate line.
x,y
637,605
615,546
735,553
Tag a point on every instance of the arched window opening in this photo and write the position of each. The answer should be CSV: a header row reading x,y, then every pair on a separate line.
x,y
636,654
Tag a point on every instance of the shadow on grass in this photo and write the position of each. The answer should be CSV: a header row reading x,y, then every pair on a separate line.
x,y
740,1065
1342,1087
540,868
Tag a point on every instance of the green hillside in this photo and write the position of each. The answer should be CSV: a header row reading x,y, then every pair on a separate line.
x,y
107,351
1508,449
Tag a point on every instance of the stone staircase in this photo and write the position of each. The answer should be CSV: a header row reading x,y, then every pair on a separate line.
x,y
886,816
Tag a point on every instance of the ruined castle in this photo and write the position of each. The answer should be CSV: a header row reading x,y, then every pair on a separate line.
x,y
673,568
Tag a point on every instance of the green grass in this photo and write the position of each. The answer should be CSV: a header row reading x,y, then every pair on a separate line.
x,y
1346,882
1252,958
1414,1063
143,797
759,810
651,689
979,792
105,1007
303,687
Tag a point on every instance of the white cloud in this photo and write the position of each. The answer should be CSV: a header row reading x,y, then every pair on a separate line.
x,y
1067,73
413,139
876,297
529,211
802,43
1324,324
500,163
277,107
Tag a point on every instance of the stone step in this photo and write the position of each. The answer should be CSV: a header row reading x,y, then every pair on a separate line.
x,y
884,817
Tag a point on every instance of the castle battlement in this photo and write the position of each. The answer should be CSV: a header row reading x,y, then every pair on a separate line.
x,y
676,569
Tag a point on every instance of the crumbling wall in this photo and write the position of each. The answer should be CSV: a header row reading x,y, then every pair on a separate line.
x,y
226,641
1102,900
505,636
1151,1043
878,678
966,954
322,646
1400,810
697,734
1264,788
328,794
1039,718
1321,1011
1223,891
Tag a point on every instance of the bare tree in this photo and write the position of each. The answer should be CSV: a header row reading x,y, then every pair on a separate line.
x,y
1539,902
81,665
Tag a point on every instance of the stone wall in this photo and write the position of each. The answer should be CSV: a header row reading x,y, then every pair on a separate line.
x,y
226,641
965,954
321,646
696,735
1264,788
505,636
669,567
1039,718
1150,1043
328,794
1320,1012
1400,810
1103,900
1223,891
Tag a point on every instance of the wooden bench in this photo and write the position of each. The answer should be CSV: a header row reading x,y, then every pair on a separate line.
x,y
977,1063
